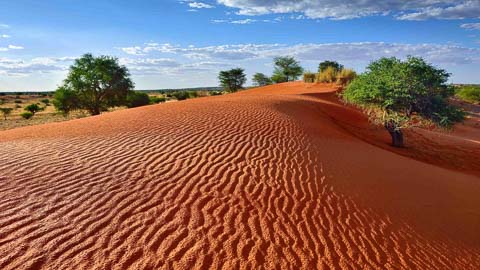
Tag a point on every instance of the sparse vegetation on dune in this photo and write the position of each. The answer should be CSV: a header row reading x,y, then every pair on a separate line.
x,y
286,69
400,94
260,79
232,80
329,75
309,77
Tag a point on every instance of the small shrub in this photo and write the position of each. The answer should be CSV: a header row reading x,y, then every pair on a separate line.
x,y
469,93
137,99
17,106
329,75
33,108
217,93
156,99
181,95
26,115
345,76
325,64
192,94
46,101
309,77
6,112
18,101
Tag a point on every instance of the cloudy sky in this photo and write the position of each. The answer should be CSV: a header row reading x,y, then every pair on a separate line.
x,y
183,43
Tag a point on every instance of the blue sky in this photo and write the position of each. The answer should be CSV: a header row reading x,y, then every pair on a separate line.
x,y
173,44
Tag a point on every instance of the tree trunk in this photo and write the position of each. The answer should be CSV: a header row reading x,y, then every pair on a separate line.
x,y
395,133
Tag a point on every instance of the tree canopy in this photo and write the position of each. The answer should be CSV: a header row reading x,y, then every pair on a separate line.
x,y
325,64
286,69
402,89
260,79
232,80
95,84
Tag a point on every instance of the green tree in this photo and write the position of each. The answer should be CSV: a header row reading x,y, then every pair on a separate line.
x,y
232,80
66,100
325,64
137,99
395,91
286,68
6,112
33,108
278,78
260,79
98,83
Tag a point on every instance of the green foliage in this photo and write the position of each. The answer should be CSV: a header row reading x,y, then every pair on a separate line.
x,y
329,75
309,77
326,64
346,76
260,79
33,108
156,99
98,83
401,89
232,80
137,99
6,112
470,93
46,101
26,115
66,100
216,93
287,69
278,78
181,95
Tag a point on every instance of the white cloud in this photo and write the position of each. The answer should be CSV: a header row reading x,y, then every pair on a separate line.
x,y
16,67
472,26
348,9
13,47
360,51
199,5
246,21
4,36
2,25
10,47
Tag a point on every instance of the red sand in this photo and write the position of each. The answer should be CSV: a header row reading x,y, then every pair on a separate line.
x,y
267,178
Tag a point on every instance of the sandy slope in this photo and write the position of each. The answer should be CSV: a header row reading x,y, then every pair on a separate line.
x,y
266,178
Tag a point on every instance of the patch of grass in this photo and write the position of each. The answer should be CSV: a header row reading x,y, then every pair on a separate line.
x,y
469,93
329,75
309,77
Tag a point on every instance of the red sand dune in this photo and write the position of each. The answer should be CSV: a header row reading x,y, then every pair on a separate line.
x,y
269,178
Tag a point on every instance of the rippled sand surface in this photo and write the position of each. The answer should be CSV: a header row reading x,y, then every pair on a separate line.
x,y
262,179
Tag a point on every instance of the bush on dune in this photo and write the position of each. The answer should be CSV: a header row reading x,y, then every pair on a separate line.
x,y
346,76
260,79
399,94
137,99
181,95
329,75
309,77
157,99
326,64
